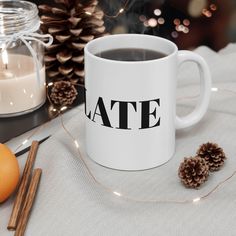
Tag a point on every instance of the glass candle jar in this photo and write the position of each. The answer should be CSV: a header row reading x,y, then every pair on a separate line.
x,y
22,70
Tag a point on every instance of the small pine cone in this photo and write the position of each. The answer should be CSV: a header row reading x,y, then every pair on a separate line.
x,y
213,155
193,171
63,93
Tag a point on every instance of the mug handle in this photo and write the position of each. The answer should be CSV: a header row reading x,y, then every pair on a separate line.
x,y
205,89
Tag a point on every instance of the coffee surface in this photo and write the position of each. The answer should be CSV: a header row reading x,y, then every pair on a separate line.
x,y
131,54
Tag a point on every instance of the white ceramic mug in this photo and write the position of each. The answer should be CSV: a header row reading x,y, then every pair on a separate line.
x,y
131,106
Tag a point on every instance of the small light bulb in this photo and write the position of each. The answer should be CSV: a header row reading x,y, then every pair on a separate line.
x,y
24,142
76,143
50,84
88,13
214,89
4,56
196,199
117,194
121,10
63,108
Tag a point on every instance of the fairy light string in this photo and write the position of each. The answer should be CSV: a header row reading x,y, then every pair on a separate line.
x,y
118,194
124,196
119,12
113,191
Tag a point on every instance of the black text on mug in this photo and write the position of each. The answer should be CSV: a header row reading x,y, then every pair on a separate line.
x,y
149,108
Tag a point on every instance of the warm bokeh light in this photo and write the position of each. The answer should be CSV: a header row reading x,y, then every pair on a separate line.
x,y
157,12
176,21
174,34
213,7
142,18
152,22
186,22
161,21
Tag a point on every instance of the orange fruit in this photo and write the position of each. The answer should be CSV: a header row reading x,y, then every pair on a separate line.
x,y
9,172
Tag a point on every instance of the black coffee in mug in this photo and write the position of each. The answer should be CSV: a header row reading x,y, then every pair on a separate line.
x,y
131,54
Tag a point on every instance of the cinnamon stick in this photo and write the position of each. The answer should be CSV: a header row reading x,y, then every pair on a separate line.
x,y
20,197
29,200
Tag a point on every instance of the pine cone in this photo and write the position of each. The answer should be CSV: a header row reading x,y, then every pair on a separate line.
x,y
63,93
213,155
193,171
72,23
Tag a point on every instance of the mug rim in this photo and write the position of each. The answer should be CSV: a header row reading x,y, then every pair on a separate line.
x,y
94,41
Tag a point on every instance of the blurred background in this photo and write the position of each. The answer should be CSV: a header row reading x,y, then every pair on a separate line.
x,y
189,23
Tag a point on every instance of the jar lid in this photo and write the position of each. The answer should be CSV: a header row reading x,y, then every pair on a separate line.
x,y
16,16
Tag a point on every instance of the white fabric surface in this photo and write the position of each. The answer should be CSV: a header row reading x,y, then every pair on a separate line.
x,y
70,203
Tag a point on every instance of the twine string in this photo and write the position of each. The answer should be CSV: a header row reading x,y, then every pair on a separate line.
x,y
25,36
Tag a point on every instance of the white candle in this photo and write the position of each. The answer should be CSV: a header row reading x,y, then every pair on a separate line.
x,y
19,88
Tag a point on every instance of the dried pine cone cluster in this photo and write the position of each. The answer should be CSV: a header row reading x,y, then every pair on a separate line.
x,y
72,23
63,93
193,171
